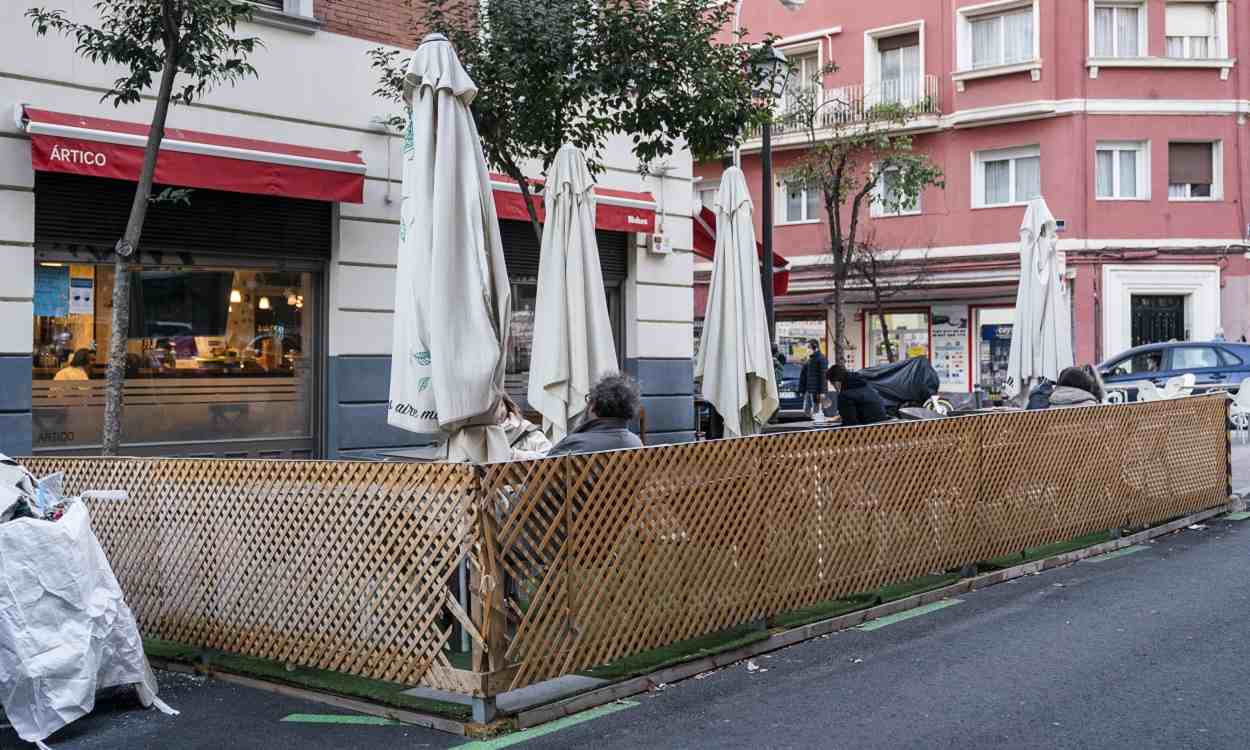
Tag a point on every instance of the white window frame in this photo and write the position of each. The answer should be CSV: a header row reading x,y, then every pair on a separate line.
x,y
878,209
782,218
1217,174
700,188
963,41
872,55
792,52
1216,51
1143,28
1142,149
980,158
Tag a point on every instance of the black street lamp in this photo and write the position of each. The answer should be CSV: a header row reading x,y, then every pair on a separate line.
x,y
777,71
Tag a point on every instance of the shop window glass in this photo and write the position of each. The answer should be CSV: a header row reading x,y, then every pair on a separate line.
x,y
909,336
214,354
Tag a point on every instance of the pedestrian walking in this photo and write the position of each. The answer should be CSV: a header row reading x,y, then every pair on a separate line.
x,y
812,382
858,402
612,404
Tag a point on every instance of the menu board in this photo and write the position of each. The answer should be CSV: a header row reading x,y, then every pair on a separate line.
x,y
51,291
950,347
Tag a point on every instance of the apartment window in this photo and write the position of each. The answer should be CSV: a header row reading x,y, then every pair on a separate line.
x,y
1191,30
1007,177
1193,171
1119,29
805,68
1002,38
888,199
802,204
1121,171
900,68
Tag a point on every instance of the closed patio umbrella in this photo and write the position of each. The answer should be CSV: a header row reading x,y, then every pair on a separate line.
x,y
735,356
1041,337
573,344
453,304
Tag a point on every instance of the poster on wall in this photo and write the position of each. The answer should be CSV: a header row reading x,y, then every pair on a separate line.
x,y
950,347
51,291
81,296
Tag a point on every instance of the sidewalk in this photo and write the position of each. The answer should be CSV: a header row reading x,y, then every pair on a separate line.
x,y
1241,465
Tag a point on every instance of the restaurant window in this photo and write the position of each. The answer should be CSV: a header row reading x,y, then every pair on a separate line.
x,y
909,336
994,327
1193,171
214,355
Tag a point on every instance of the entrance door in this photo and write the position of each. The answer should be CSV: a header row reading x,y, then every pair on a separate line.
x,y
1158,318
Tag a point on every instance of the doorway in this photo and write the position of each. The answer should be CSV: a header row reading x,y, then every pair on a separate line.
x,y
1158,318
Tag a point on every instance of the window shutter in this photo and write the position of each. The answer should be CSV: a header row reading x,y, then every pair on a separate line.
x,y
899,42
1190,164
1190,19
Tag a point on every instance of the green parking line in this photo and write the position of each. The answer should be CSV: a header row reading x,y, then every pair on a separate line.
x,y
1241,516
555,726
881,622
358,719
1118,553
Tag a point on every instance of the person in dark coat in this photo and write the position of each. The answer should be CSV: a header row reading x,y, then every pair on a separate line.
x,y
612,404
812,381
858,402
1077,386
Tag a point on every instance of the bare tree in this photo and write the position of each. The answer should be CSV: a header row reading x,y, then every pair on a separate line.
x,y
886,274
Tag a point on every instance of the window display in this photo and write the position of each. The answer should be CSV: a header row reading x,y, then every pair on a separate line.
x,y
909,336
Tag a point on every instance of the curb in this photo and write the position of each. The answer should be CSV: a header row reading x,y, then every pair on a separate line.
x,y
777,641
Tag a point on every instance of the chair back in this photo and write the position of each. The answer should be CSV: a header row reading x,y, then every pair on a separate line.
x,y
1241,401
1146,391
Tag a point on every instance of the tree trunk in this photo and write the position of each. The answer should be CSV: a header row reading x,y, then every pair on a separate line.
x,y
118,337
839,321
531,208
885,330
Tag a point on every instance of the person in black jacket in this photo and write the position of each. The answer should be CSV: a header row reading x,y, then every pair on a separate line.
x,y
613,402
858,402
812,381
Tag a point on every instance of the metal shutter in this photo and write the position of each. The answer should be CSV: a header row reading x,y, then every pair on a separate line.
x,y
521,252
76,212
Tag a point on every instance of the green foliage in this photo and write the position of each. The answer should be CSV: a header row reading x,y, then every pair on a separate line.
x,y
551,72
137,35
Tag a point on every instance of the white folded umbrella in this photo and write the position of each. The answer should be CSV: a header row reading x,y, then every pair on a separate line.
x,y
1041,337
573,344
735,356
453,304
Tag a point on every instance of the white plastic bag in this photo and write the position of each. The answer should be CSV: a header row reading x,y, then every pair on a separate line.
x,y
65,629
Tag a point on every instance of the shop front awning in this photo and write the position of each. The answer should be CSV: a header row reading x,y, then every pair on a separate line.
x,y
101,147
616,210
705,247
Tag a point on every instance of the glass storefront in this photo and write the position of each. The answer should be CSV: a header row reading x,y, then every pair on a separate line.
x,y
793,337
909,336
215,356
993,342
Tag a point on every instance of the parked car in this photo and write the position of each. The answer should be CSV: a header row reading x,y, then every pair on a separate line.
x,y
791,407
1214,364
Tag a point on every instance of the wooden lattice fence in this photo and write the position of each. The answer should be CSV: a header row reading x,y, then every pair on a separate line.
x,y
582,560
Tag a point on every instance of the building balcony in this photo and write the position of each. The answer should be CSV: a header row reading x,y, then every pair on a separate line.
x,y
842,109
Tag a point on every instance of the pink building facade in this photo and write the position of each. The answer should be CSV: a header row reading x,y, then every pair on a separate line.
x,y
1129,118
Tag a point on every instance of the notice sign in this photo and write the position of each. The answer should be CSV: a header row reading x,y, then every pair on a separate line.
x,y
51,291
950,347
81,296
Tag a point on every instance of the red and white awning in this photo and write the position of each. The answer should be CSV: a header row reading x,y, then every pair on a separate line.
x,y
100,147
616,210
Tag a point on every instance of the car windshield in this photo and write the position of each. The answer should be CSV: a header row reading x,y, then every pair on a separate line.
x,y
1141,362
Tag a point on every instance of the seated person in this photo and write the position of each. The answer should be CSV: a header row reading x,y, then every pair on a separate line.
x,y
78,367
858,402
1076,386
525,438
612,404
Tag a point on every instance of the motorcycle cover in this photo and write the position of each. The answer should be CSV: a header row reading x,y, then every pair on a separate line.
x,y
911,382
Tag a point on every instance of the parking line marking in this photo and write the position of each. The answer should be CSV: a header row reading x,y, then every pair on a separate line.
x,y
881,622
1118,553
555,726
358,719
1239,516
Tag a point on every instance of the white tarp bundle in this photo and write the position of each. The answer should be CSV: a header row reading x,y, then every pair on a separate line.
x,y
735,356
1041,337
573,344
453,303
65,629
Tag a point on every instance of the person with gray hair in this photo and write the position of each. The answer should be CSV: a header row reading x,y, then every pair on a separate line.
x,y
612,404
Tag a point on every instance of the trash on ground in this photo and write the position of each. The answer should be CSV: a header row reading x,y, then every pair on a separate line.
x,y
661,687
1197,527
857,661
753,667
63,618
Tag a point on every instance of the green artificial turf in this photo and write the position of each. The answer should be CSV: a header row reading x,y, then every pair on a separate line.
x,y
1039,553
387,693
678,653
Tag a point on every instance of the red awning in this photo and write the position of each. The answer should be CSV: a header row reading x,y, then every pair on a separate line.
x,y
616,210
100,147
705,247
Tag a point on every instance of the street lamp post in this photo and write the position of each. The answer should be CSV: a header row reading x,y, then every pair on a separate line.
x,y
775,64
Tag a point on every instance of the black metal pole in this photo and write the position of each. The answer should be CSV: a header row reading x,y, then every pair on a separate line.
x,y
766,268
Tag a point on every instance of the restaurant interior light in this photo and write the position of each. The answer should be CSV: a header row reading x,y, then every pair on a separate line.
x,y
236,296
291,299
264,303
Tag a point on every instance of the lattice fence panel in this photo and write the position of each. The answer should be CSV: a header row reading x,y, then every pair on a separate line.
x,y
333,565
617,553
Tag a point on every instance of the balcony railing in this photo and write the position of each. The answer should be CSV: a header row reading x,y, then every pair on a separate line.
x,y
917,97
